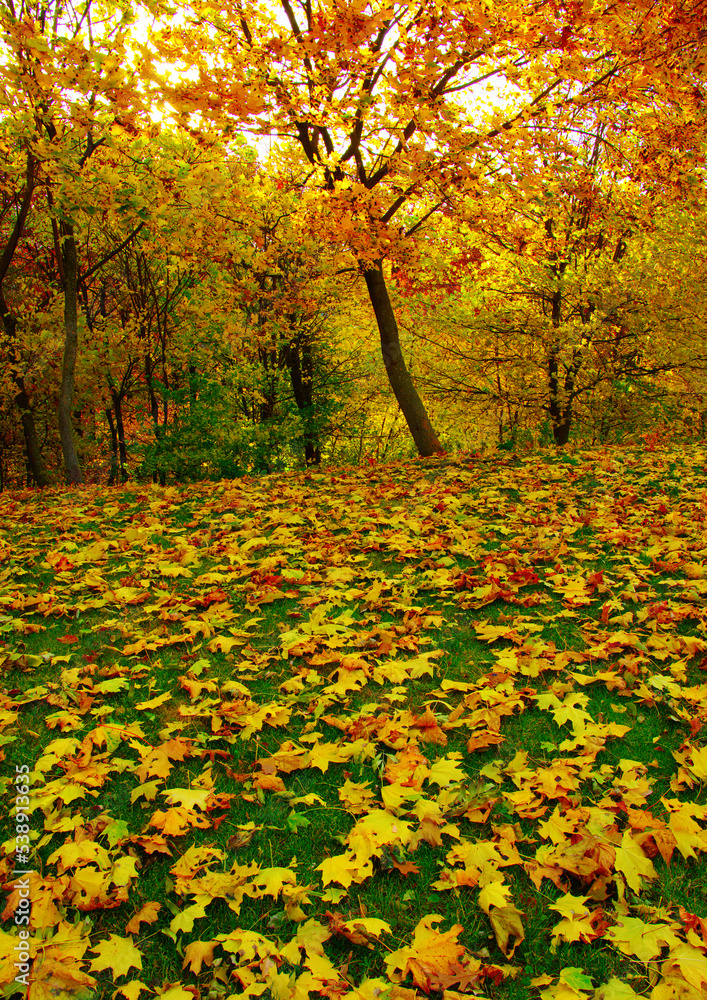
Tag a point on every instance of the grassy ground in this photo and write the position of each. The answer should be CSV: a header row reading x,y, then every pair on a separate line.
x,y
424,727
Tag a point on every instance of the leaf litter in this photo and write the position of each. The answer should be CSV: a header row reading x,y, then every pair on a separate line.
x,y
187,670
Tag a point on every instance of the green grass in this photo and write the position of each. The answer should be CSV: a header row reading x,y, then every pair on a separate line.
x,y
558,597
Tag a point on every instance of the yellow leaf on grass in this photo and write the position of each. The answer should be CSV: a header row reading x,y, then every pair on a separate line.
x,y
368,926
188,798
117,955
345,869
270,882
570,906
148,790
198,953
131,990
323,754
224,643
377,828
690,962
615,990
154,702
176,992
494,894
447,770
644,941
173,569
184,921
633,863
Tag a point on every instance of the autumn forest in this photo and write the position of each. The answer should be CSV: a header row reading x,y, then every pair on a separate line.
x,y
353,484
244,240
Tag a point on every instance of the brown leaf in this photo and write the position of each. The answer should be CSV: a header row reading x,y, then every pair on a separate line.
x,y
506,924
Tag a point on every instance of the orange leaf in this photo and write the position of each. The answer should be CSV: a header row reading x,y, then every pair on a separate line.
x,y
430,955
269,782
198,953
147,914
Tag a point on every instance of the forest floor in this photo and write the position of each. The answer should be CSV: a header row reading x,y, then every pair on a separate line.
x,y
431,727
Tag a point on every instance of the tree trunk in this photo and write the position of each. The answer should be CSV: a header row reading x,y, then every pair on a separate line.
x,y
159,475
560,416
113,475
71,347
412,407
300,362
29,431
9,321
122,449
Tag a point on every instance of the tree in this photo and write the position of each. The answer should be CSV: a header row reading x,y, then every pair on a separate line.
x,y
582,302
16,204
378,97
66,83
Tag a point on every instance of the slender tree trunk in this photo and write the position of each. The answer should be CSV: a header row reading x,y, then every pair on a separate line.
x,y
35,463
113,475
159,475
71,348
122,449
9,321
300,363
560,415
193,384
29,430
412,407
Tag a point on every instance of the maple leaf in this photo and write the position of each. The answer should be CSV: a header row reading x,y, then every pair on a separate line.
x,y
271,882
690,963
54,976
571,985
154,702
356,797
429,729
359,930
178,992
176,821
147,790
430,955
198,953
507,926
188,798
615,989
576,924
632,862
184,921
644,940
131,990
344,869
117,955
269,782
158,761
